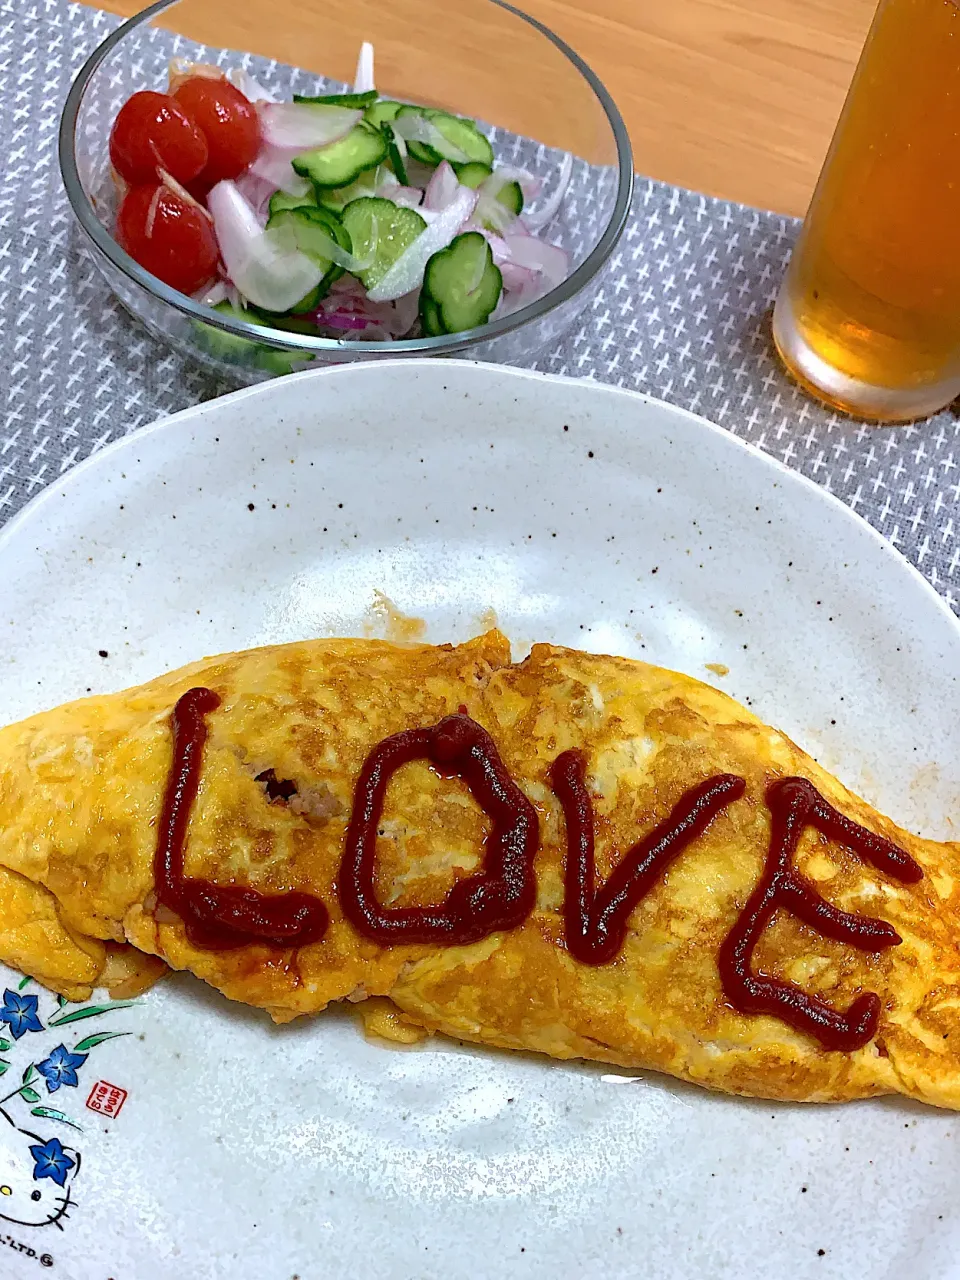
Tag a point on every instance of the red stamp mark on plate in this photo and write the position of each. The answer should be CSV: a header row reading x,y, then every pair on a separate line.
x,y
106,1098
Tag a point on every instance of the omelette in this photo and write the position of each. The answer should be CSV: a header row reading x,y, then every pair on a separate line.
x,y
581,855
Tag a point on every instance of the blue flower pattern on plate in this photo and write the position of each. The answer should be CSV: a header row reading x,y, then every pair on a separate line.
x,y
61,1068
51,1161
20,1013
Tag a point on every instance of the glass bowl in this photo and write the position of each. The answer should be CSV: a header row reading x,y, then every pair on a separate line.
x,y
454,54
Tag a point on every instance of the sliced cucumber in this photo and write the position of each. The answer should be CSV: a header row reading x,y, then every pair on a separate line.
x,y
380,231
462,136
510,196
280,201
243,351
314,229
464,284
356,100
381,113
394,155
337,198
472,173
419,150
342,162
452,138
430,318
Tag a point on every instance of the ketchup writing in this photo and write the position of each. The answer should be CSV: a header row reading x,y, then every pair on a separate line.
x,y
218,916
503,893
500,896
795,804
596,918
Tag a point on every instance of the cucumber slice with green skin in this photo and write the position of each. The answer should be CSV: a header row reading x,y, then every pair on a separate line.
x,y
472,173
381,113
453,139
463,136
394,158
243,351
289,324
426,155
358,101
430,318
312,230
342,162
463,282
510,196
419,150
380,231
280,201
337,198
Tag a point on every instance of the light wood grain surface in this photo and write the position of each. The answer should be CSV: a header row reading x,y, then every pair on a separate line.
x,y
737,98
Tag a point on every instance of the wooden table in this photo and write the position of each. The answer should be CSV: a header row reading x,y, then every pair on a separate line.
x,y
737,98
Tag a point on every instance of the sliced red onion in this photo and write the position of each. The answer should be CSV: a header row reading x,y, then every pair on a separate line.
x,y
249,85
266,266
406,274
363,81
442,188
538,218
548,260
257,192
304,126
418,175
274,165
516,279
409,197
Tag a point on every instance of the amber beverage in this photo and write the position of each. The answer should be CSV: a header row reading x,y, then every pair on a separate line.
x,y
868,317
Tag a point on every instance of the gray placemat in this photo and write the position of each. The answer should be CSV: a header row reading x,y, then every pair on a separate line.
x,y
683,315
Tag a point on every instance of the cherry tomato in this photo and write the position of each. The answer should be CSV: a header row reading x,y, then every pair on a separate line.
x,y
168,235
152,131
228,120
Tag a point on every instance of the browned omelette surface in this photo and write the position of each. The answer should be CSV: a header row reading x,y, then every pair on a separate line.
x,y
81,789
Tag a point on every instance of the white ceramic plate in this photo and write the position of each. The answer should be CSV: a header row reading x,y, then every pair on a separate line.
x,y
579,514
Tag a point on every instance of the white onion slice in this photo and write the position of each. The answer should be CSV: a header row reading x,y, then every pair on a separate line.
x,y
489,209
181,69
274,165
420,129
249,85
363,81
548,210
529,185
265,266
406,274
304,126
213,294
442,188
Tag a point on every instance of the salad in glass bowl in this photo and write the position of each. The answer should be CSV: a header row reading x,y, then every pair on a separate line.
x,y
341,214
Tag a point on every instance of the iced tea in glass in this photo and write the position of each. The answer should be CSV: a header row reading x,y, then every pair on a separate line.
x,y
868,317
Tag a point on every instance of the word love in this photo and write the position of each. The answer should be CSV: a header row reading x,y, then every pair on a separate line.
x,y
502,894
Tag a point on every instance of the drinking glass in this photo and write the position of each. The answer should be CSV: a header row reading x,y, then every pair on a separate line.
x,y
868,316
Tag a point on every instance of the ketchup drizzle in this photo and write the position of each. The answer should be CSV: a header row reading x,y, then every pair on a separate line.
x,y
218,916
795,804
503,893
596,917
500,896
